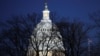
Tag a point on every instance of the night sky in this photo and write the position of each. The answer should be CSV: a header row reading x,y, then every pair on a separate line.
x,y
64,8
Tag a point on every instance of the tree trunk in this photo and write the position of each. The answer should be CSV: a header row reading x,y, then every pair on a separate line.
x,y
37,53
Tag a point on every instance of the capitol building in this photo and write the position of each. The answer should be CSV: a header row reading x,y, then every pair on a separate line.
x,y
46,39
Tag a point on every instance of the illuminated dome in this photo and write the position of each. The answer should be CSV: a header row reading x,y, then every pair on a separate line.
x,y
45,38
48,30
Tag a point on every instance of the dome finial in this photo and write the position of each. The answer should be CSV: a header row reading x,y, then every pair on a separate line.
x,y
46,6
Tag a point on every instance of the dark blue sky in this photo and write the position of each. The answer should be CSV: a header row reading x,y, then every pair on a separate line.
x,y
64,8
72,8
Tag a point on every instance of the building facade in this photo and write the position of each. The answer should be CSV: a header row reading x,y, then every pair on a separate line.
x,y
46,39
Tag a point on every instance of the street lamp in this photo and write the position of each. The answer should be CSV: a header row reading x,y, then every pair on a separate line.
x,y
89,45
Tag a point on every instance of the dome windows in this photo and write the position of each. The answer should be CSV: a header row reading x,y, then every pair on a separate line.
x,y
48,29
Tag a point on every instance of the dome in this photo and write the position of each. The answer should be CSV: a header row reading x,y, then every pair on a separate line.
x,y
49,32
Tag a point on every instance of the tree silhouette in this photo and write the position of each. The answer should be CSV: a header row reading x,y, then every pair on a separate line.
x,y
95,16
74,37
15,36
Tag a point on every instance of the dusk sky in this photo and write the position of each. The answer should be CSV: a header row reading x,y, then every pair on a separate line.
x,y
64,8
